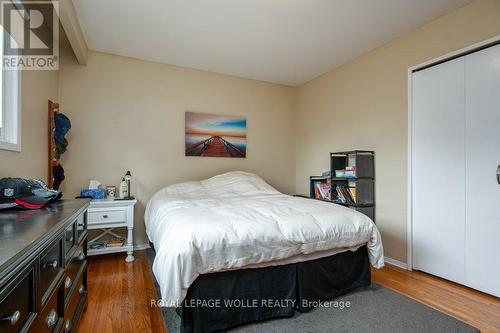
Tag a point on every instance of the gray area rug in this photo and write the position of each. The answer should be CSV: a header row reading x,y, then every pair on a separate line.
x,y
372,309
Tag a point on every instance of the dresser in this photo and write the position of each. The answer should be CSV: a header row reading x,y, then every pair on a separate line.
x,y
43,267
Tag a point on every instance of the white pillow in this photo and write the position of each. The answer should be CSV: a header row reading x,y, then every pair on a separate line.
x,y
239,182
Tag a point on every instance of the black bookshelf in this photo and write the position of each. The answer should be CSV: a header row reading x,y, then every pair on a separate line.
x,y
358,190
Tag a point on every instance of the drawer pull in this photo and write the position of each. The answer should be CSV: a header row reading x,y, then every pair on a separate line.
x,y
12,319
81,256
67,282
51,263
51,318
81,290
105,216
68,325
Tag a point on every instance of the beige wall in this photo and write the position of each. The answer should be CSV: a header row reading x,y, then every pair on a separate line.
x,y
129,114
37,88
363,105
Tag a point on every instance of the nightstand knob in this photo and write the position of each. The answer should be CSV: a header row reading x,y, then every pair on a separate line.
x,y
105,216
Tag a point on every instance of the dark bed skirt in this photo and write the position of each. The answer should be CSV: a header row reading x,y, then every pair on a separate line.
x,y
219,301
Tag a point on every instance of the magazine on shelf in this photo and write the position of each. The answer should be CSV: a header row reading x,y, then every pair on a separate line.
x,y
323,191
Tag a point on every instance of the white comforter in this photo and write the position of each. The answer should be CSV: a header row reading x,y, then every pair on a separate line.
x,y
237,220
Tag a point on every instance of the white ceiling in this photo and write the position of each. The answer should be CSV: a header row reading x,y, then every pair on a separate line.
x,y
281,41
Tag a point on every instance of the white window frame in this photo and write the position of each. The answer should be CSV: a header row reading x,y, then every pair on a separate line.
x,y
10,133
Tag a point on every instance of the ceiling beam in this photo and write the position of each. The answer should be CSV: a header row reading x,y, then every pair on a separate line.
x,y
71,25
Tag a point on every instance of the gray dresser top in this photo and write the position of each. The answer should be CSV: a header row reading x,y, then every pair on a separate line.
x,y
22,231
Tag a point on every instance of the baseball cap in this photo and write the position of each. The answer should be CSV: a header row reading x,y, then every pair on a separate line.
x,y
28,193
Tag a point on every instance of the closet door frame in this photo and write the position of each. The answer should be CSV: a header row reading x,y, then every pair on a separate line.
x,y
449,56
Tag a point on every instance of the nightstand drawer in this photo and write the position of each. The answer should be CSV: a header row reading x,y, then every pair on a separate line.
x,y
107,216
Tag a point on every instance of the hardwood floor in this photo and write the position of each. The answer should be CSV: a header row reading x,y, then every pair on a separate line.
x,y
120,294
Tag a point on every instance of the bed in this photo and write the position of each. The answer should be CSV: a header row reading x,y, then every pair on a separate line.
x,y
233,236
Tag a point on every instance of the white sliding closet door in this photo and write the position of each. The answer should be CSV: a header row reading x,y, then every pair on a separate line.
x,y
482,104
438,165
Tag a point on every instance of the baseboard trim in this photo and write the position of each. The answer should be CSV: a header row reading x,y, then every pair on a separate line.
x,y
395,262
139,247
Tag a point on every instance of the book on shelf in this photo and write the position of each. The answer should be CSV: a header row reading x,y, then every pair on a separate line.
x,y
97,245
115,242
351,159
340,195
322,190
345,194
317,195
348,172
349,196
352,190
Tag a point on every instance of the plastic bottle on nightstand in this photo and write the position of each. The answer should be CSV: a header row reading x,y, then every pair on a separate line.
x,y
123,192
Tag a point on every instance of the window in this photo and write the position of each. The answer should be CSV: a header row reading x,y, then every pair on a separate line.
x,y
10,105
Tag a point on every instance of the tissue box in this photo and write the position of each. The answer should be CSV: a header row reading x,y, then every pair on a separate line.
x,y
99,193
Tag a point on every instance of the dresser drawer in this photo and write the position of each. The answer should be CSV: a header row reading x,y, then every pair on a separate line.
x,y
50,267
81,227
75,263
69,238
107,216
49,319
77,297
17,302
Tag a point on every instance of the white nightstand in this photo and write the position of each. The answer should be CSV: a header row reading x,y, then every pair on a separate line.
x,y
107,215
